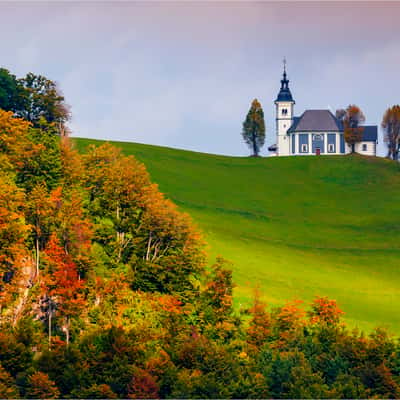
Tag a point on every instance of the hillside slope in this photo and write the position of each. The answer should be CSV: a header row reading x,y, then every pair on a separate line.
x,y
296,227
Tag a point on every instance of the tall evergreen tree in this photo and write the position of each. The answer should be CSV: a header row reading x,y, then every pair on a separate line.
x,y
254,128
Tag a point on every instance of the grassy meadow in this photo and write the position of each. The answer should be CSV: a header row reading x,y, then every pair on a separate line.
x,y
295,227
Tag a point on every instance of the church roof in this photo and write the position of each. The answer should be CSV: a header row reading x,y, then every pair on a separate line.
x,y
284,93
325,121
370,133
316,120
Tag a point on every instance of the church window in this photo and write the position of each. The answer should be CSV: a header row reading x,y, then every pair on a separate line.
x,y
284,111
331,148
304,148
364,147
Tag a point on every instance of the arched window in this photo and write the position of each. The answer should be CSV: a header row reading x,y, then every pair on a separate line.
x,y
284,111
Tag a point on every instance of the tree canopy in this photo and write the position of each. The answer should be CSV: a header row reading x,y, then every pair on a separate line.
x,y
352,119
391,128
34,98
254,128
105,292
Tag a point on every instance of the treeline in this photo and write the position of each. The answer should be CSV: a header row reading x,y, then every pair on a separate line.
x,y
34,98
105,292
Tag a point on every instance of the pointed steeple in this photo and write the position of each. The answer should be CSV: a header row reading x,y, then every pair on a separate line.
x,y
284,94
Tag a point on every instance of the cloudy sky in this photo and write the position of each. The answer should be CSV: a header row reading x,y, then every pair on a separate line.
x,y
183,74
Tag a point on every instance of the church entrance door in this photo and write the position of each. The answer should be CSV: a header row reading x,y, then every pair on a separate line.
x,y
318,151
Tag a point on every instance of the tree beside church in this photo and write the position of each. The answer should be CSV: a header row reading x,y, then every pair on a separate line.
x,y
318,131
254,128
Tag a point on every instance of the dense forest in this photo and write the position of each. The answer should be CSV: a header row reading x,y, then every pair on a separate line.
x,y
106,292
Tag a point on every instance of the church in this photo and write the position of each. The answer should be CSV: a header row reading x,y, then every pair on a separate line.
x,y
314,132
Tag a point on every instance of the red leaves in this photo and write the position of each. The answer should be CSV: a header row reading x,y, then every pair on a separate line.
x,y
62,281
143,386
41,387
170,304
325,311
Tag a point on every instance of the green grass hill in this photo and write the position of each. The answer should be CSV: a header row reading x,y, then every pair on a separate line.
x,y
296,227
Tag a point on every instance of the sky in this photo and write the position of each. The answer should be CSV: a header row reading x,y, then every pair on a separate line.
x,y
183,74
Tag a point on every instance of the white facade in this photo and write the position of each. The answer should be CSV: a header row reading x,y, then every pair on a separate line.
x,y
297,147
284,119
365,148
314,132
328,147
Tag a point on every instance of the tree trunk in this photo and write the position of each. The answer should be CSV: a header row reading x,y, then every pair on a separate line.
x,y
255,152
67,330
148,248
50,312
353,148
37,257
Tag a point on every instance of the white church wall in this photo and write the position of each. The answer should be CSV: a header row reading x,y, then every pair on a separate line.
x,y
366,148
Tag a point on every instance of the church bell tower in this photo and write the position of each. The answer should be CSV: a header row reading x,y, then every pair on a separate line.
x,y
284,104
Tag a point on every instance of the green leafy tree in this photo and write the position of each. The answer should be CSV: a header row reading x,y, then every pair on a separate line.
x,y
42,98
254,128
11,92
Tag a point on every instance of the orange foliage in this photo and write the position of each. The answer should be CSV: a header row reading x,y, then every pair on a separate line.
x,y
170,304
143,386
41,387
260,325
62,283
325,311
13,232
13,135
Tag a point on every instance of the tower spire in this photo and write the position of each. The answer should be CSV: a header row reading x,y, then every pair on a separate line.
x,y
284,94
284,81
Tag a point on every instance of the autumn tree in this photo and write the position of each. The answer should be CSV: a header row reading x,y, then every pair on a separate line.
x,y
14,142
254,128
40,386
13,233
324,310
40,211
63,290
137,226
259,328
101,391
391,128
8,388
218,291
352,118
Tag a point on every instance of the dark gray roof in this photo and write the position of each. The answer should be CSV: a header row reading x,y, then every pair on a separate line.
x,y
284,93
325,121
314,121
370,133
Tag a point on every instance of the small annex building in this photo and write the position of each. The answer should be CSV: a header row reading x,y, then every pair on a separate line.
x,y
315,132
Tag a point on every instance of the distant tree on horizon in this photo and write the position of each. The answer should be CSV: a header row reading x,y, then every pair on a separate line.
x,y
254,128
352,118
11,92
391,128
36,99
